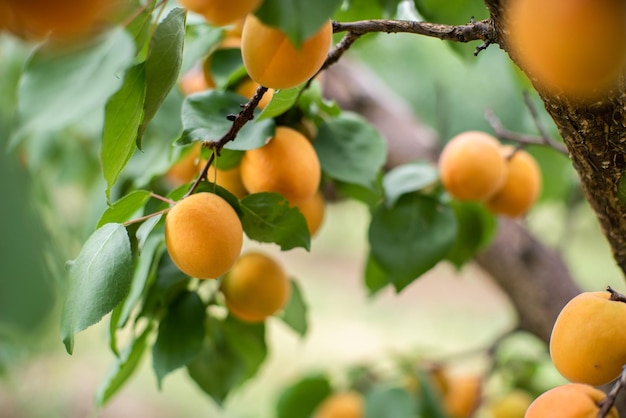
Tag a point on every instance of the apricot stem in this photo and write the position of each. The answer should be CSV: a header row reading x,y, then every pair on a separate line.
x,y
143,218
615,296
607,403
162,198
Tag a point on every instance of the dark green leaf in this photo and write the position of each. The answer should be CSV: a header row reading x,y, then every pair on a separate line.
x,y
180,336
412,237
140,27
359,10
267,217
228,159
168,283
408,178
125,208
302,398
350,150
123,114
282,100
390,402
226,66
476,227
430,400
248,342
163,64
370,196
199,40
123,368
204,118
375,277
295,313
59,86
299,19
99,280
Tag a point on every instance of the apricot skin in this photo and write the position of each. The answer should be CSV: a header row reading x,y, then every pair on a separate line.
x,y
573,400
348,404
471,166
521,187
203,235
313,210
588,344
256,287
572,47
273,61
462,396
287,164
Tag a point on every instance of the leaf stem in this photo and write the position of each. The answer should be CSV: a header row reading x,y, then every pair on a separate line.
x,y
143,218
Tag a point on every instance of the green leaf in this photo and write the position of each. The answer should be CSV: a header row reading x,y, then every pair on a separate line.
x,y
350,150
59,86
375,277
299,19
267,217
123,368
430,401
163,64
389,7
140,27
368,195
125,208
408,178
226,66
282,100
168,283
199,39
302,398
232,353
180,336
204,118
228,159
412,237
99,280
359,10
476,227
295,313
390,402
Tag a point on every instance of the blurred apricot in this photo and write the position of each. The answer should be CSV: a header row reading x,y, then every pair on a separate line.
x,y
573,47
573,400
203,235
462,395
287,164
313,210
511,405
471,166
194,81
256,287
587,344
186,168
230,179
349,404
247,88
521,187
272,60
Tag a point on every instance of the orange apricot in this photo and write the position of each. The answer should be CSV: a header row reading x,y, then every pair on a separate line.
x,y
471,166
230,179
313,210
256,287
574,47
194,81
223,12
573,400
247,88
510,405
203,235
521,187
272,60
462,395
587,344
349,404
287,164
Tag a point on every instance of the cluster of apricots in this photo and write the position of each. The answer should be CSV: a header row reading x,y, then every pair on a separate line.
x,y
574,48
474,166
60,20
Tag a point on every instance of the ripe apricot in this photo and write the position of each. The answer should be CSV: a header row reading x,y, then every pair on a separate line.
x,y
272,60
287,164
573,400
574,47
521,187
313,210
247,88
194,81
203,235
587,344
223,12
462,396
256,287
349,404
230,179
511,405
471,166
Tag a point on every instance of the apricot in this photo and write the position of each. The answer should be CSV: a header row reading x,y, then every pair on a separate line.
x,y
194,81
573,47
247,88
573,400
471,166
287,164
587,344
511,405
224,12
203,235
272,60
230,179
313,210
521,187
256,287
348,404
462,395
185,169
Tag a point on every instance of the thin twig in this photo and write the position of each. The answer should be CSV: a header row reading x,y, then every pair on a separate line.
x,y
523,139
162,199
607,403
138,11
143,218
